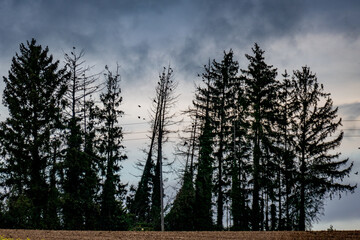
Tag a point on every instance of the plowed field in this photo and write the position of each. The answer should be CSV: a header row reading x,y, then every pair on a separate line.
x,y
103,235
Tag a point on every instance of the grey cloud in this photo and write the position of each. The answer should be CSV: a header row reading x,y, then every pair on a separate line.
x,y
250,20
350,111
334,16
156,24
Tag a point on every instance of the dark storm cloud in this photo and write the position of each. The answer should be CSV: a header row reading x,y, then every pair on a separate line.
x,y
252,20
334,16
179,30
102,28
238,24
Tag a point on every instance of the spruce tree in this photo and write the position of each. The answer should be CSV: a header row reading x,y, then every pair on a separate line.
x,y
203,181
320,171
77,163
91,168
285,165
261,94
111,150
140,205
223,76
238,158
181,216
33,89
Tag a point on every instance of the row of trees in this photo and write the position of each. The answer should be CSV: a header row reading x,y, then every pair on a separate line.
x,y
260,145
265,147
60,151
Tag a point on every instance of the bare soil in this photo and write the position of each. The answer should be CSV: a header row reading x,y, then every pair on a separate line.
x,y
104,235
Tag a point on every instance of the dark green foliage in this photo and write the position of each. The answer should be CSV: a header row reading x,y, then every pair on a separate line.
x,y
261,94
92,167
203,181
285,152
223,76
111,151
141,203
34,88
54,203
181,215
73,166
239,165
319,169
79,166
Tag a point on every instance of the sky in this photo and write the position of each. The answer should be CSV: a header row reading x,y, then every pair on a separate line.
x,y
144,36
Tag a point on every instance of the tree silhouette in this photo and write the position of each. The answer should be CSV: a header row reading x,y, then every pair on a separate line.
x,y
318,168
77,165
111,150
34,88
203,181
261,93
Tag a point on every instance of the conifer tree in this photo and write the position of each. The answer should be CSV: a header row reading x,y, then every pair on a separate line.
x,y
261,93
223,76
181,215
203,181
77,163
238,163
111,150
320,171
285,166
91,168
34,87
140,205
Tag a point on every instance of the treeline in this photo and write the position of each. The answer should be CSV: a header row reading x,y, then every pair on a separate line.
x,y
263,147
60,150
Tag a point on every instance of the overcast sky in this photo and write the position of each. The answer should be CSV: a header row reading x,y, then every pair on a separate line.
x,y
143,36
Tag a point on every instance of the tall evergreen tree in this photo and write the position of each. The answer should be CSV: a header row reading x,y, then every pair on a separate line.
x,y
111,150
140,205
238,158
261,92
34,87
285,165
92,166
181,215
224,76
203,181
319,170
77,163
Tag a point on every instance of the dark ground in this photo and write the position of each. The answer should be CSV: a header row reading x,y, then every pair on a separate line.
x,y
103,235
